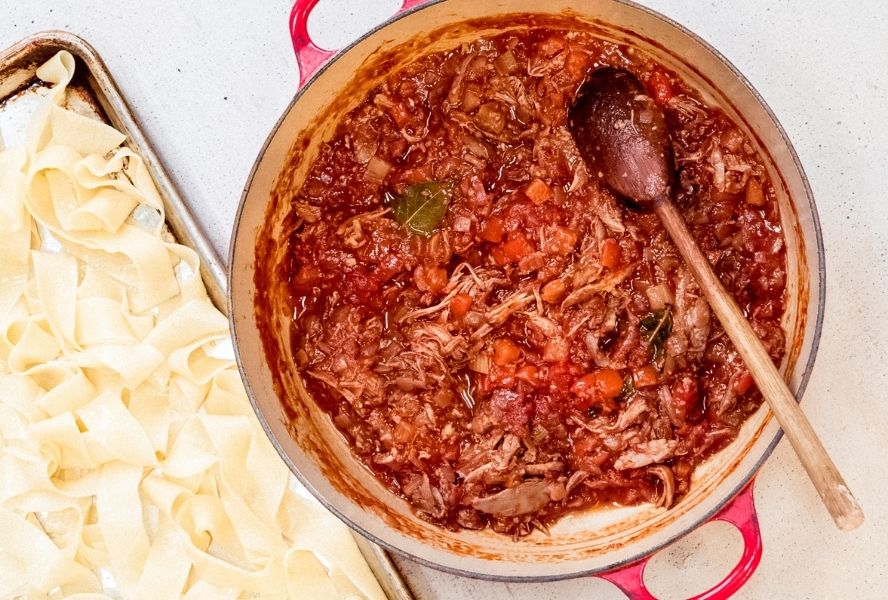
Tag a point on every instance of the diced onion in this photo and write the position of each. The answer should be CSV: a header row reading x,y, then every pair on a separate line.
x,y
377,169
755,195
471,100
718,165
506,64
364,149
475,145
659,296
490,118
480,364
462,224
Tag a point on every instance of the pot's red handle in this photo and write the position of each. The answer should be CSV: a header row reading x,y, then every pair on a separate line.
x,y
309,56
741,514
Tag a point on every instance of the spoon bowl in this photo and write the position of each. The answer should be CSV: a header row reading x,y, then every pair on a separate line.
x,y
622,134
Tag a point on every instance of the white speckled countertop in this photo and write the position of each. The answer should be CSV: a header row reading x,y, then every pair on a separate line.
x,y
209,79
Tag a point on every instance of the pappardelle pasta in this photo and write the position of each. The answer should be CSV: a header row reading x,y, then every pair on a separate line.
x,y
131,464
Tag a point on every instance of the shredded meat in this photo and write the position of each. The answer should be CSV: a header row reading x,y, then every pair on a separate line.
x,y
667,479
645,453
526,497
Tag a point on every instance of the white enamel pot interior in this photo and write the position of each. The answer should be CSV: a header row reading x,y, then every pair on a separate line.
x,y
305,436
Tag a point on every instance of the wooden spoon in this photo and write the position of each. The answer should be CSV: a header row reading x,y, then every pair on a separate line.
x,y
622,135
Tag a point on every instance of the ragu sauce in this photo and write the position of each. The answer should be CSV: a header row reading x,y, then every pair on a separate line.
x,y
498,337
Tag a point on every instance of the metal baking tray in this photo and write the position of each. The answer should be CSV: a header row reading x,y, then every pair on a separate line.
x,y
93,91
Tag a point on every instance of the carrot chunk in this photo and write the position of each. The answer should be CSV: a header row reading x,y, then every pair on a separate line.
x,y
562,240
743,383
517,247
646,376
460,305
611,253
660,87
604,383
505,352
538,191
553,291
493,230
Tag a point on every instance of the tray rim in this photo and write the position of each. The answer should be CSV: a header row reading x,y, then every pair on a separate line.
x,y
179,218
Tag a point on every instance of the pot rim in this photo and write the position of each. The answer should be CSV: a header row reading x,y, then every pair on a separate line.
x,y
696,522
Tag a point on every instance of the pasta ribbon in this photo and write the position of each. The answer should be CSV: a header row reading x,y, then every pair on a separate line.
x,y
131,464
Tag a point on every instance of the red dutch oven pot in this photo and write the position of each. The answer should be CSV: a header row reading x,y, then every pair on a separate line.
x,y
614,544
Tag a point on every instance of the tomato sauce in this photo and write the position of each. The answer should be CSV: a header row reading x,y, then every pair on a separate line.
x,y
501,340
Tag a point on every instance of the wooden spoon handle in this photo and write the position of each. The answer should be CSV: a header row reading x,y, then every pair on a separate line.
x,y
842,505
